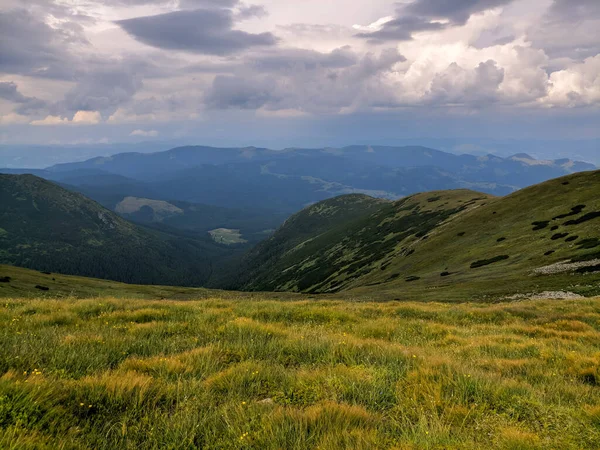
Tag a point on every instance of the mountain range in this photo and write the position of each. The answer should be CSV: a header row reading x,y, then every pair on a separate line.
x,y
282,182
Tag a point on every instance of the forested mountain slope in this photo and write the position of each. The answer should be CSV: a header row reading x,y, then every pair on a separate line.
x,y
46,227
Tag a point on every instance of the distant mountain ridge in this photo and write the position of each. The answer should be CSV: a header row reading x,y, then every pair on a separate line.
x,y
285,181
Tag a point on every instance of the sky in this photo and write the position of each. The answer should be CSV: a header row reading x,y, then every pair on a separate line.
x,y
288,72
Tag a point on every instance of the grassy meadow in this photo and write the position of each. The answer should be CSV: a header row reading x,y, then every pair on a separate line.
x,y
227,373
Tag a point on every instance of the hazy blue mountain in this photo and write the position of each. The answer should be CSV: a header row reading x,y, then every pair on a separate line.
x,y
285,181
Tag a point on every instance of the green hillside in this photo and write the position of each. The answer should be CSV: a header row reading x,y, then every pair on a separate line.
x,y
447,245
46,227
329,246
18,282
509,245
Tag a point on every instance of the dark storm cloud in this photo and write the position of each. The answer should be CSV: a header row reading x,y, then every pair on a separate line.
x,y
286,59
28,46
569,30
250,11
182,4
206,31
573,10
317,82
456,11
9,91
421,15
240,92
103,90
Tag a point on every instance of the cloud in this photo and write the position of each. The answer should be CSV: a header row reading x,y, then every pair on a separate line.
x,y
574,10
425,15
474,87
50,121
241,92
103,89
87,118
29,46
13,119
144,133
301,59
400,29
308,88
9,91
204,31
578,85
80,118
569,29
186,61
456,11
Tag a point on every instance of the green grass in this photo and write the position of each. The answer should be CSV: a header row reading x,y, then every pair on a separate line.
x,y
237,373
23,284
227,237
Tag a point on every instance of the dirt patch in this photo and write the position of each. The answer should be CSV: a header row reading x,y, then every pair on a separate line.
x,y
546,295
564,266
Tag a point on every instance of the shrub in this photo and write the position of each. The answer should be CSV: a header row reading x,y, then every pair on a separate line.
x,y
589,269
574,211
558,236
412,278
540,225
487,262
589,243
584,218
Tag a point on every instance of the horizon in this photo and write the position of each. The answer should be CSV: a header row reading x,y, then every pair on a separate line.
x,y
35,157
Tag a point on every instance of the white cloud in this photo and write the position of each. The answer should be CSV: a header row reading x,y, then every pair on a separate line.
x,y
50,121
87,118
80,118
13,119
375,26
578,85
144,133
